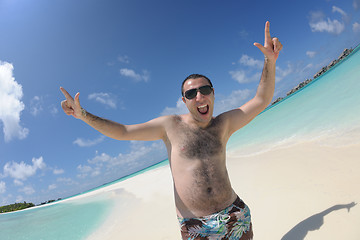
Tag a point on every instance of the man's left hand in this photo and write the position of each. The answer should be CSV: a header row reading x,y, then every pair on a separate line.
x,y
272,46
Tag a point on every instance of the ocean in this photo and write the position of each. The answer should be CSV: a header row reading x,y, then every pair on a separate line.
x,y
327,108
64,220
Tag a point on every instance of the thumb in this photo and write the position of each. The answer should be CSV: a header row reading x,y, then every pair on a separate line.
x,y
77,101
260,47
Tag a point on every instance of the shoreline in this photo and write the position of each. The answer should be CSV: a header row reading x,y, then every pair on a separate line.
x,y
331,66
303,189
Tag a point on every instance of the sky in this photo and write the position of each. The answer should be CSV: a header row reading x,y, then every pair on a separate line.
x,y
127,58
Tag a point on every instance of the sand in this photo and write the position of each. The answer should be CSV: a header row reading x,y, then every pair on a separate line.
x,y
306,191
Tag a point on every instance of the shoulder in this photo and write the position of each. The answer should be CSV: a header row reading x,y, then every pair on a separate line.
x,y
168,119
230,121
168,122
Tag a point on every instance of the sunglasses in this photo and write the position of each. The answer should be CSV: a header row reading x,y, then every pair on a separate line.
x,y
204,90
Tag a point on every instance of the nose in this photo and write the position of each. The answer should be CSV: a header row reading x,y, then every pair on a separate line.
x,y
198,94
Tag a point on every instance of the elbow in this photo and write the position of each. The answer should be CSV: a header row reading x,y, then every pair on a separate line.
x,y
263,102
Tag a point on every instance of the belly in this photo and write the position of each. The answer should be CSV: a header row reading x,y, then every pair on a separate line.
x,y
202,189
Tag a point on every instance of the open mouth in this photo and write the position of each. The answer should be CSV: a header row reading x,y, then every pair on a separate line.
x,y
204,109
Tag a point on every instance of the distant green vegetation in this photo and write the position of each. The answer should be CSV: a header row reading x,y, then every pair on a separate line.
x,y
20,206
15,207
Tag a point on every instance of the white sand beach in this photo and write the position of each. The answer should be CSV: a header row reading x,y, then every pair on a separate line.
x,y
306,191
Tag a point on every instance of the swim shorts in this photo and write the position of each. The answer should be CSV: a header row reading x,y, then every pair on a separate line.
x,y
233,223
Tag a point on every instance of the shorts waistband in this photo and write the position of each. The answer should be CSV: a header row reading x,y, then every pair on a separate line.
x,y
238,203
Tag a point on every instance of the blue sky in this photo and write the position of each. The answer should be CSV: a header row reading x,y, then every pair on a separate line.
x,y
127,59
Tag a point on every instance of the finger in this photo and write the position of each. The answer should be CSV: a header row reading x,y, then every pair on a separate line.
x,y
277,45
267,32
261,47
66,94
68,110
77,101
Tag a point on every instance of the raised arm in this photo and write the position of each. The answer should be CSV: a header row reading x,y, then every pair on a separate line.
x,y
265,91
152,130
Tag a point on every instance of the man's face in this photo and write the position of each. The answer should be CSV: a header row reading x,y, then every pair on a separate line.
x,y
201,107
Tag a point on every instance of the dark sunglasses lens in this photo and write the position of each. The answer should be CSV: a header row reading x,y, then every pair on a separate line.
x,y
205,90
190,94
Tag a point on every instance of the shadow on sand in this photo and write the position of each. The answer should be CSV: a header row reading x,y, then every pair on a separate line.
x,y
313,223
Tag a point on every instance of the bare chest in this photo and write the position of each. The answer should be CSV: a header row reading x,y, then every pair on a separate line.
x,y
199,143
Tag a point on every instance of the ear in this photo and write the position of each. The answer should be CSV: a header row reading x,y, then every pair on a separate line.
x,y
183,99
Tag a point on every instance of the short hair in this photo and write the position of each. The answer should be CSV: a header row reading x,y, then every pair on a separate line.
x,y
194,76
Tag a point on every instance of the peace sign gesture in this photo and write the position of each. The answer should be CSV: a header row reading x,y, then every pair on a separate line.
x,y
272,46
71,106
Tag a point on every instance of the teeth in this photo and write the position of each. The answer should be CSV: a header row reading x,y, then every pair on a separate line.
x,y
203,109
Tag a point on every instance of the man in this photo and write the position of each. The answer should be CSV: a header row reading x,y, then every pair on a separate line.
x,y
206,205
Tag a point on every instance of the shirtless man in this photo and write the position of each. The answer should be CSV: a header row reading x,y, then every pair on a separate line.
x,y
206,205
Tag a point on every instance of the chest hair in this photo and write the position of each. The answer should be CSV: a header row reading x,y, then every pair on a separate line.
x,y
198,143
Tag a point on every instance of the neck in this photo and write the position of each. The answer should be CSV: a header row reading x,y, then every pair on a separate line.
x,y
200,124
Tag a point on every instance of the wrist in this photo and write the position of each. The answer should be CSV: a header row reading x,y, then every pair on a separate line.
x,y
83,114
269,61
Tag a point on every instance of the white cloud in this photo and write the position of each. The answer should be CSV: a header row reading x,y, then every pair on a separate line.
x,y
58,171
179,109
21,171
104,98
241,77
88,143
2,187
102,158
251,62
11,105
310,54
140,155
53,110
17,182
145,76
309,66
282,73
28,190
85,170
339,10
36,105
123,59
330,26
252,73
319,24
356,27
67,181
52,186
235,100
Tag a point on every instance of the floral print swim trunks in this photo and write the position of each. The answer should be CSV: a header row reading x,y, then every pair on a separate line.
x,y
233,223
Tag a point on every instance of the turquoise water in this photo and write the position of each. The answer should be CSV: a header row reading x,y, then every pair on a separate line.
x,y
56,222
65,220
328,107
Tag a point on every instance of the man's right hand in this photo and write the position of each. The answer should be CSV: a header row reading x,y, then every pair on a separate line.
x,y
71,106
